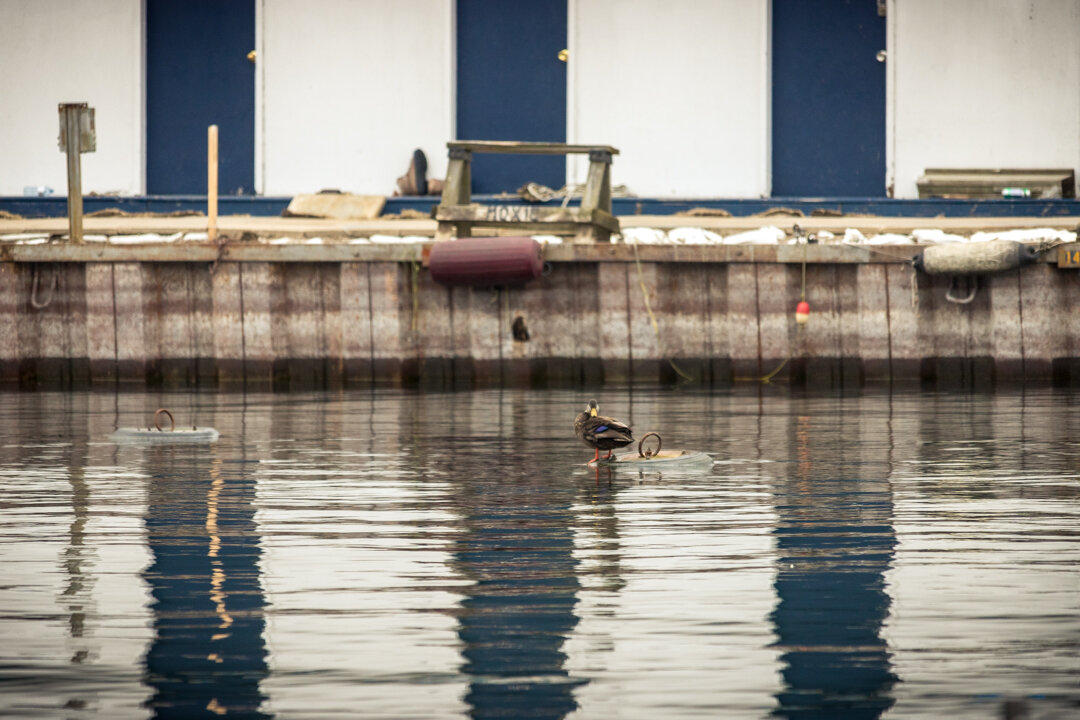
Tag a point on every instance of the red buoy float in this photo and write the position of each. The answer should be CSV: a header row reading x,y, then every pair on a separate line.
x,y
485,261
802,312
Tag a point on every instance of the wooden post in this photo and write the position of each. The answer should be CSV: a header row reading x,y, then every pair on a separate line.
x,y
211,182
71,144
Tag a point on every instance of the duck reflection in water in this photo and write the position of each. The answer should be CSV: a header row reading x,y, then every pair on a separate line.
x,y
517,549
208,655
830,583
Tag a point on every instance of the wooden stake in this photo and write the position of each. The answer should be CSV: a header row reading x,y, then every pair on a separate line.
x,y
74,172
211,181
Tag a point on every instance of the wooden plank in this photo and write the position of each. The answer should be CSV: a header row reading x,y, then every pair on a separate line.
x,y
597,195
169,326
45,324
301,324
847,305
904,322
484,320
227,322
1064,298
871,317
388,315
519,349
682,309
820,337
778,292
644,343
202,323
613,288
407,252
743,321
718,329
463,369
332,338
585,365
339,206
9,322
431,341
547,308
100,322
1005,334
256,282
356,340
130,331
73,319
1038,325
511,147
525,217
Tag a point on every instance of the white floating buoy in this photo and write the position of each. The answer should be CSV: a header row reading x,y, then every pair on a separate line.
x,y
656,458
157,434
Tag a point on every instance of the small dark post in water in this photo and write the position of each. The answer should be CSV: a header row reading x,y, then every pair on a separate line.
x,y
77,136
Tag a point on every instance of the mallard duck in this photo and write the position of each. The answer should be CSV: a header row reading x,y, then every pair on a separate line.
x,y
602,433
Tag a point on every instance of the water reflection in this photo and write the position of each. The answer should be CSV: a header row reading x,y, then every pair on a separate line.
x,y
517,549
448,555
835,542
208,655
77,596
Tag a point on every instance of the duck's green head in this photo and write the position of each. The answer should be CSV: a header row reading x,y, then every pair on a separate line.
x,y
592,408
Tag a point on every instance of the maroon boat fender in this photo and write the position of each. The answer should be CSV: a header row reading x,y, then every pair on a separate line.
x,y
485,261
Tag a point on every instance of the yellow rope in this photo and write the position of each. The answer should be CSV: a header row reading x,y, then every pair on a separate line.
x,y
652,317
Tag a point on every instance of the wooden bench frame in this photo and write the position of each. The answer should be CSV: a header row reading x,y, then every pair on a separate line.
x,y
593,221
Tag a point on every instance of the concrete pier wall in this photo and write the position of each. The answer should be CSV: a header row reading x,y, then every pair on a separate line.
x,y
722,315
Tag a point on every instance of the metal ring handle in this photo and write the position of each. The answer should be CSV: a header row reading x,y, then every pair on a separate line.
x,y
157,423
972,283
648,454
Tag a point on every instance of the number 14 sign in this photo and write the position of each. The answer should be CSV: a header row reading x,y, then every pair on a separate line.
x,y
1069,255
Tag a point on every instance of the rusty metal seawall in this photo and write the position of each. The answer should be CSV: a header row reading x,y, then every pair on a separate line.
x,y
340,315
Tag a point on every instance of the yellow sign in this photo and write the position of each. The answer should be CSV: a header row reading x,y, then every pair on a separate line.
x,y
1069,255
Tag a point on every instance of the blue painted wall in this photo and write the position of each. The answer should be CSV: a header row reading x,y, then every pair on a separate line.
x,y
198,74
512,86
828,98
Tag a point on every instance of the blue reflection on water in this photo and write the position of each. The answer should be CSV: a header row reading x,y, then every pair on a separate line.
x,y
208,655
554,580
835,541
518,551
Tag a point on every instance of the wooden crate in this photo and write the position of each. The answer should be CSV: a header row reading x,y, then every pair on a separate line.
x,y
994,183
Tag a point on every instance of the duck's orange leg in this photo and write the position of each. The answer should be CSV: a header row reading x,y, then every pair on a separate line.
x,y
609,454
595,457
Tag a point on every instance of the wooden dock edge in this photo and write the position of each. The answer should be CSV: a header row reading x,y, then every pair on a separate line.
x,y
302,316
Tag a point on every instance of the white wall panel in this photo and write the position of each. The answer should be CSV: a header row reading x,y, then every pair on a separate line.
x,y
71,51
349,88
983,84
680,87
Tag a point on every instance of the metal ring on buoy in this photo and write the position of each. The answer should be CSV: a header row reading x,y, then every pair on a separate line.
x,y
649,453
157,423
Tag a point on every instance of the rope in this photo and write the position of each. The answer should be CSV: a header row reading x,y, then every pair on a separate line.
x,y
767,378
652,317
802,293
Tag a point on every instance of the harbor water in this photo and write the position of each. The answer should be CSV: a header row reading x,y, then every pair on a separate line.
x,y
399,554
